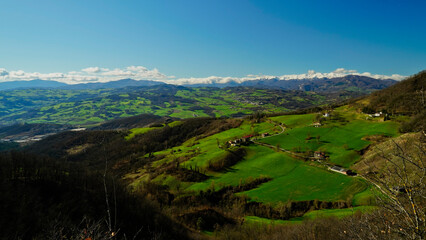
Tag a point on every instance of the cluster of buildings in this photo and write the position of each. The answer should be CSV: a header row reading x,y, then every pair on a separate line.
x,y
319,155
240,141
244,140
318,124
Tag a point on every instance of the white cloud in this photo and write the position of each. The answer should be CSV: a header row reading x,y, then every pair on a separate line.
x,y
3,72
118,72
137,68
18,73
98,74
339,72
91,69
90,74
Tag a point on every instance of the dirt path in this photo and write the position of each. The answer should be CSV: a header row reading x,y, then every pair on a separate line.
x,y
378,186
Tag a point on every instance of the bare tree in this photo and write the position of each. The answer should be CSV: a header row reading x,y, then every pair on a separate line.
x,y
400,177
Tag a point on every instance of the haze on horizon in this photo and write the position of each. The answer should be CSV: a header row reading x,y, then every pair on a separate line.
x,y
200,41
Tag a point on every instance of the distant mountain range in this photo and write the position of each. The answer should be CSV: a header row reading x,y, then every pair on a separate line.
x,y
59,85
113,84
349,82
346,83
31,84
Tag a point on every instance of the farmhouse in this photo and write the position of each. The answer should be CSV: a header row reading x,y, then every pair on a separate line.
x,y
319,155
247,138
265,134
326,114
235,142
338,169
240,141
378,114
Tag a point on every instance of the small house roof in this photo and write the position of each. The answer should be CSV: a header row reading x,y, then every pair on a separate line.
x,y
337,168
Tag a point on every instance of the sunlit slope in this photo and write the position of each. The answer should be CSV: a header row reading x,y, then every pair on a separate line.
x,y
291,179
341,137
85,107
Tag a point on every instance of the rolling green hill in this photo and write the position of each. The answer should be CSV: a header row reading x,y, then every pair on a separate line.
x,y
209,173
186,160
340,137
406,99
288,175
91,107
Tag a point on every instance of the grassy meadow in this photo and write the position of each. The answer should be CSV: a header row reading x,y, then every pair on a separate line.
x,y
291,179
341,140
310,215
341,137
89,107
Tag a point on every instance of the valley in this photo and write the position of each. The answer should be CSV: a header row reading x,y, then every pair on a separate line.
x,y
291,176
88,107
212,161
212,120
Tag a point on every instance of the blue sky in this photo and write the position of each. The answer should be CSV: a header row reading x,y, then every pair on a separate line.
x,y
200,38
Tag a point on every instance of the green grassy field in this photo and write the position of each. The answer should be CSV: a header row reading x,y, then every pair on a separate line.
x,y
259,220
366,197
340,140
339,213
292,179
136,131
87,107
207,148
307,183
292,121
197,152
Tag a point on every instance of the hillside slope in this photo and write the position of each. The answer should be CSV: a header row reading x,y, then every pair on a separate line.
x,y
405,100
85,107
347,83
405,97
30,84
210,175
